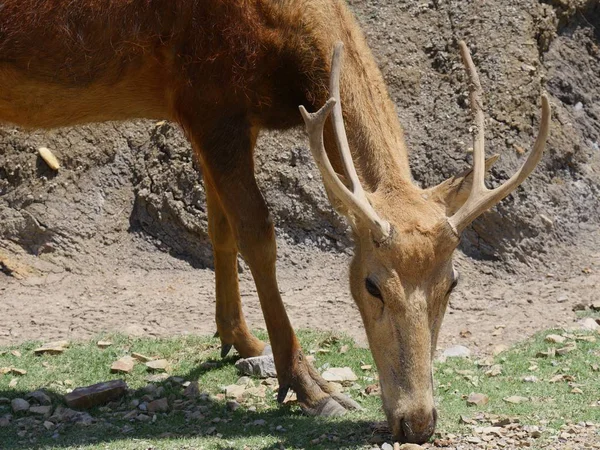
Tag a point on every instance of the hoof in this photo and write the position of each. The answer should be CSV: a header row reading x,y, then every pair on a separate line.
x,y
225,349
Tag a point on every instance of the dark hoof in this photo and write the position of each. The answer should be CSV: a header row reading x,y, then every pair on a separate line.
x,y
225,349
282,393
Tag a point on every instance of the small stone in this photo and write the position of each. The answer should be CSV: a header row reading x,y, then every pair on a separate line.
x,y
579,307
192,390
19,405
407,447
4,401
477,399
16,353
499,349
157,377
595,306
123,365
258,366
40,397
566,349
547,220
5,421
41,410
103,344
143,418
530,379
515,399
131,415
52,348
473,440
386,446
160,405
589,323
555,338
97,394
158,365
234,391
562,299
259,423
344,349
48,425
339,374
457,351
141,358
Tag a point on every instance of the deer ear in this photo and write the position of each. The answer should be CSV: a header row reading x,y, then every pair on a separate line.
x,y
453,192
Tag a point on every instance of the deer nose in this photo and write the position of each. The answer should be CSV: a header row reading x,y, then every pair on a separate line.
x,y
418,428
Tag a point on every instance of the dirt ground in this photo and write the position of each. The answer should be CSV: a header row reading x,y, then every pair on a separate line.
x,y
164,296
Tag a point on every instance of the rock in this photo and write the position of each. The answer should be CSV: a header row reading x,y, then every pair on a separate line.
x,y
595,306
386,446
123,365
160,405
103,344
48,425
589,323
157,377
407,447
158,365
566,349
580,307
4,401
131,415
40,397
499,349
477,399
339,374
143,418
41,410
234,391
142,358
530,379
258,366
562,299
515,399
52,348
95,395
12,370
555,338
49,158
19,405
192,391
259,422
457,351
5,421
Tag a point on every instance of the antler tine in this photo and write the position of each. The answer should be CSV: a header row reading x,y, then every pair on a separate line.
x,y
339,130
481,198
355,200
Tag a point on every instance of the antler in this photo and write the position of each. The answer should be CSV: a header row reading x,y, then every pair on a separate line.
x,y
354,199
481,198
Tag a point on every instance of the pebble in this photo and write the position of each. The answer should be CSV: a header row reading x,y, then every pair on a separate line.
x,y
457,351
123,365
40,397
259,366
19,405
589,323
160,405
158,365
477,399
339,374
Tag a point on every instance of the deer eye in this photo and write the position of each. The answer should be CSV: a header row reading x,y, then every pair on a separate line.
x,y
373,289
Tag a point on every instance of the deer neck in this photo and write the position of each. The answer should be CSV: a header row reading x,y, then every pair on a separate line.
x,y
374,133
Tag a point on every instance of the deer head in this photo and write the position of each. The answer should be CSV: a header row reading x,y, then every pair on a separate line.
x,y
402,273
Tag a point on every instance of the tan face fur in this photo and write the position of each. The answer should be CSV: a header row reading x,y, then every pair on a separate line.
x,y
401,287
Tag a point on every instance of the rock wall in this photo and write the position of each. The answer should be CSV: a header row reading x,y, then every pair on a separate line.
x,y
140,178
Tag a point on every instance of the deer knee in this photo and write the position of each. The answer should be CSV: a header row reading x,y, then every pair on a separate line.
x,y
256,240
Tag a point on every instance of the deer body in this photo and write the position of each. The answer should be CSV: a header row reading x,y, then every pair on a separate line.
x,y
224,70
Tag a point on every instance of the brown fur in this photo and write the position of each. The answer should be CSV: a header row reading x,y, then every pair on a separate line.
x,y
224,70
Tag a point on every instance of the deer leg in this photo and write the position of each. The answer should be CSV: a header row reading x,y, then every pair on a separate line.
x,y
231,324
226,152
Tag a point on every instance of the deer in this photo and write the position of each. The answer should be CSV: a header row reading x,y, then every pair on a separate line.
x,y
226,69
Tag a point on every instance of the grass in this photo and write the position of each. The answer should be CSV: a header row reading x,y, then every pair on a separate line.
x,y
84,363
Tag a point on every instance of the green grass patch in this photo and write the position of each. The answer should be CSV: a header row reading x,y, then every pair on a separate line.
x,y
83,363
